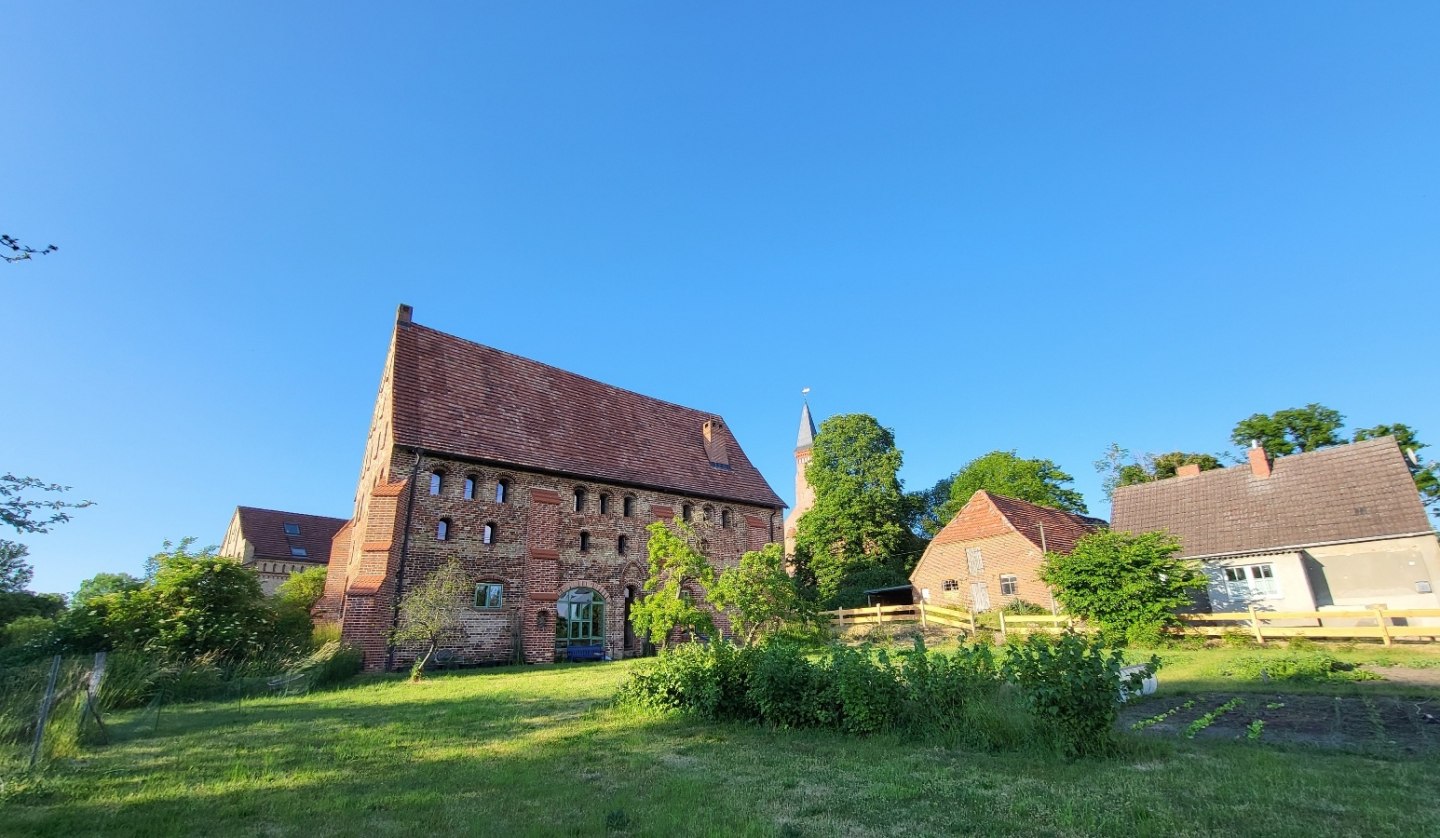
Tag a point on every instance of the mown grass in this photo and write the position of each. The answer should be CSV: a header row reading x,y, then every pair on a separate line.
x,y
539,751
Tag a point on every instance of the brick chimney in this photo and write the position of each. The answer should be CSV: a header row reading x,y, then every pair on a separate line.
x,y
1259,460
1188,470
715,446
404,313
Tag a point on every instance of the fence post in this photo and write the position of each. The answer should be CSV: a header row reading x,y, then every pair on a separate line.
x,y
972,621
44,710
1380,621
1002,623
879,618
923,624
1255,623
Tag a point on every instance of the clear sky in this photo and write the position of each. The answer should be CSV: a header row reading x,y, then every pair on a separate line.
x,y
1039,226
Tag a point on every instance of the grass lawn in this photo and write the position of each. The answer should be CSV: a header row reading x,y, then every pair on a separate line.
x,y
538,751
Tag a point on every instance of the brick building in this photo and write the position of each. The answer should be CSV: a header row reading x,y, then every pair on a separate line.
x,y
541,483
276,544
990,553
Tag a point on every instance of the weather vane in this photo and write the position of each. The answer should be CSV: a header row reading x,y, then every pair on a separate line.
x,y
805,391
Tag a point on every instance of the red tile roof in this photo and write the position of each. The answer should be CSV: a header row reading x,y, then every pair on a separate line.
x,y
1346,493
1062,529
456,397
265,530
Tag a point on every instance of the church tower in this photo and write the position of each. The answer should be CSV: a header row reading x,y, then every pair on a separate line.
x,y
804,494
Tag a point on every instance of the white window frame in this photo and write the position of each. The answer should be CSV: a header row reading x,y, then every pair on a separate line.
x,y
976,559
1011,580
1255,581
979,597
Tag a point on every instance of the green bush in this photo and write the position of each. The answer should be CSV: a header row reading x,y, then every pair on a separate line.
x,y
1146,635
784,686
1072,685
939,687
685,678
865,694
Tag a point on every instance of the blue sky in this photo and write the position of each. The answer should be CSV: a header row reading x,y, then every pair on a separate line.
x,y
1043,227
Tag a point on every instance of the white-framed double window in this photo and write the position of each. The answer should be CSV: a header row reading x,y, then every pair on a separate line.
x,y
1253,580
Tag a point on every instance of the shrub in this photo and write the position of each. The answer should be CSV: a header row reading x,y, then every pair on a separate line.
x,y
1072,684
332,664
1116,580
867,695
1020,607
1146,635
685,678
784,686
938,688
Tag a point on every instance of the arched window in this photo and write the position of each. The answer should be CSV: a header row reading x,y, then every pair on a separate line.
x,y
686,512
470,481
487,533
725,519
627,507
502,491
437,480
622,544
442,530
584,541
604,503
579,499
707,513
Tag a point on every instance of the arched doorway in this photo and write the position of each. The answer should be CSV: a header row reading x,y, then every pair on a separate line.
x,y
632,642
580,625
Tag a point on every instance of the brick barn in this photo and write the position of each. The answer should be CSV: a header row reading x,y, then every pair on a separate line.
x,y
990,553
541,483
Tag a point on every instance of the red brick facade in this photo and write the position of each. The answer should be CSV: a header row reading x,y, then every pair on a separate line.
x,y
534,548
994,542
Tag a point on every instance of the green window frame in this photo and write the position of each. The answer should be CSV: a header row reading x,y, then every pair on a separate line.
x,y
489,595
580,618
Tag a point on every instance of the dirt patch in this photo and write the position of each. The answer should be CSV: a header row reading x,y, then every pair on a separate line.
x,y
1428,677
1370,723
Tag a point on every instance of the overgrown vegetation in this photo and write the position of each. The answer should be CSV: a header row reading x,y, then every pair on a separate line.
x,y
1070,685
1129,586
1296,666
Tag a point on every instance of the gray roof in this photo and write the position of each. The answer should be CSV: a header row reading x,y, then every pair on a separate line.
x,y
806,438
1350,492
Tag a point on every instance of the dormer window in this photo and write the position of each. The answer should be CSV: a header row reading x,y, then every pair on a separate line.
x,y
292,529
298,551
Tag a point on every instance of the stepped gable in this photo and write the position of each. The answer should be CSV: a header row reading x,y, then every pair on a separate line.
x,y
1354,492
468,400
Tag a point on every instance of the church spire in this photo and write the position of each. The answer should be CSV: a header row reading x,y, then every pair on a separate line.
x,y
807,429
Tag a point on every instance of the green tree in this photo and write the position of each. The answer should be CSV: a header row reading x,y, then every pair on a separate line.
x,y
858,532
926,506
759,596
1427,482
293,601
29,514
1124,583
1289,431
677,572
15,572
103,584
198,604
430,612
1117,468
1040,482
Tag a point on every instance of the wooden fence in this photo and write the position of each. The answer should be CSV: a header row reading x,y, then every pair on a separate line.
x,y
1377,622
949,617
1374,622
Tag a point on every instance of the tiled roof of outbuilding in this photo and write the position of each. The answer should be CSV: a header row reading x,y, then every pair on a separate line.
x,y
1062,529
1345,493
265,530
457,397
